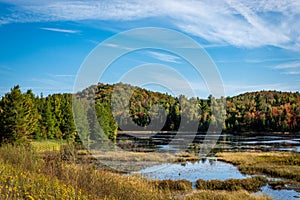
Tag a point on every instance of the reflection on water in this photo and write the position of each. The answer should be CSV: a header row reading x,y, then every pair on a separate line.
x,y
206,169
259,142
280,194
247,143
226,142
213,169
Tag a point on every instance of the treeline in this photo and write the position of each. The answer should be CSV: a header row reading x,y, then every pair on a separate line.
x,y
264,111
269,111
125,107
24,115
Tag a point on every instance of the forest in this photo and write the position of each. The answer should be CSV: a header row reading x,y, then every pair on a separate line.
x,y
116,106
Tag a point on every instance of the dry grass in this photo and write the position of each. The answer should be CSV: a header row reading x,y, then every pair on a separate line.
x,y
182,185
275,164
250,184
225,195
123,161
134,156
185,156
35,175
47,145
18,184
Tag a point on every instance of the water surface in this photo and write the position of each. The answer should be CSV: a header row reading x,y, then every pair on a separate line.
x,y
206,169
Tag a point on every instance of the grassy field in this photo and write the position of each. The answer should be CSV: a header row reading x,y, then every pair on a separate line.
x,y
29,174
275,164
252,184
47,145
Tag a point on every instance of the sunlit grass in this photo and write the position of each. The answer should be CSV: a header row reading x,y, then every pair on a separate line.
x,y
225,195
18,184
250,184
26,174
275,164
47,145
134,156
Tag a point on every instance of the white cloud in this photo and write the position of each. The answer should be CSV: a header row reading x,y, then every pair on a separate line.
x,y
235,89
165,57
116,46
292,72
64,75
288,65
60,30
241,23
290,68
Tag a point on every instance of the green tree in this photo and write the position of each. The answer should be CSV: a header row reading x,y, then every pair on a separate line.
x,y
80,107
67,125
49,120
19,116
106,120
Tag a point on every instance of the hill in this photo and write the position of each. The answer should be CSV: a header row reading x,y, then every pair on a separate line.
x,y
126,107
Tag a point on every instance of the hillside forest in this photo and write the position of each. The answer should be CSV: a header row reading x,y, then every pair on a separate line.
x,y
27,116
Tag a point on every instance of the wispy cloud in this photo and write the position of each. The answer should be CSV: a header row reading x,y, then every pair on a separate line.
x,y
288,65
56,80
290,68
116,46
238,88
292,72
62,75
5,69
47,82
240,23
60,30
257,60
165,57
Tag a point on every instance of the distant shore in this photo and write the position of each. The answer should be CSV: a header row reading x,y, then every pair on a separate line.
x,y
204,133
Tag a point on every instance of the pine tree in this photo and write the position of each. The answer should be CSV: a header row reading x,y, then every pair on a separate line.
x,y
49,120
19,116
82,125
67,125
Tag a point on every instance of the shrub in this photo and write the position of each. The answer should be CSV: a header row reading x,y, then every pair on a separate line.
x,y
249,184
173,184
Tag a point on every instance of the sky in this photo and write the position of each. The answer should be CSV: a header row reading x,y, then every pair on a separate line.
x,y
255,45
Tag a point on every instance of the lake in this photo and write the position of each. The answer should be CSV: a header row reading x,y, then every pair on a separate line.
x,y
226,142
209,169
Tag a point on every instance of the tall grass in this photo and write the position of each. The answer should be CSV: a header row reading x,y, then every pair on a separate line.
x,y
250,184
275,164
98,183
225,195
22,156
47,145
26,174
18,184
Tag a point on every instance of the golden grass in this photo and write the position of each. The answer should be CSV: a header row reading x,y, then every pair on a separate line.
x,y
28,175
183,185
275,164
47,145
18,184
134,156
250,184
185,156
124,161
225,195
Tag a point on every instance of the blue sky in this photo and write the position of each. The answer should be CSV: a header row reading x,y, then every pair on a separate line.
x,y
254,44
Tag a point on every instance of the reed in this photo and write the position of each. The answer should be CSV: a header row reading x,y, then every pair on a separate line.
x,y
275,164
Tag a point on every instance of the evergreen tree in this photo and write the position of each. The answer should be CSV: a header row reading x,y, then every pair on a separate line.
x,y
49,120
19,116
80,107
67,126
